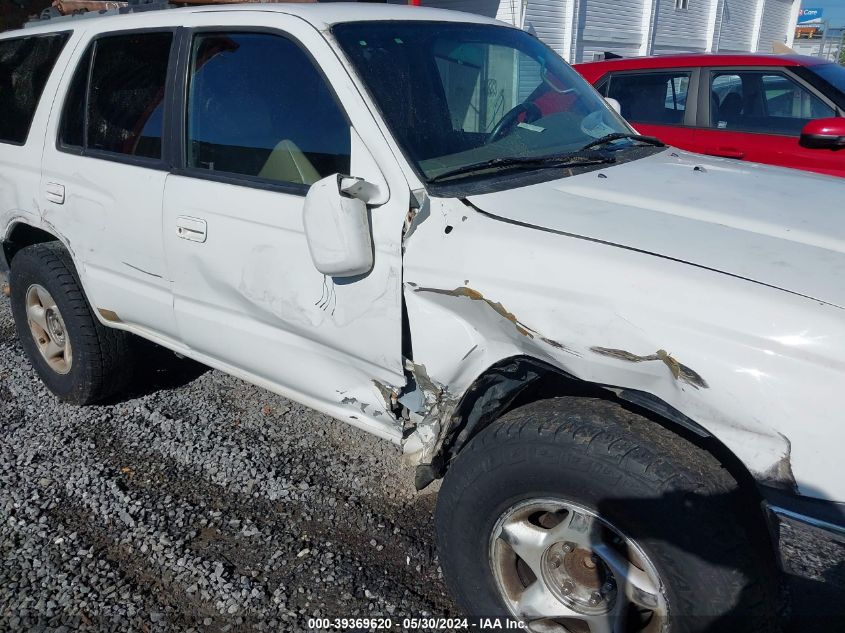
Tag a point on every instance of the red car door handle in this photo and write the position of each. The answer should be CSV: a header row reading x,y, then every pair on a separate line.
x,y
727,152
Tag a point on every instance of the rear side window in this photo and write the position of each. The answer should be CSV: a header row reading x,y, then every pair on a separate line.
x,y
659,98
276,122
126,94
25,66
115,101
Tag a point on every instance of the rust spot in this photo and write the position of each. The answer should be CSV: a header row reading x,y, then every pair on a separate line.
x,y
6,289
474,295
679,371
109,315
556,345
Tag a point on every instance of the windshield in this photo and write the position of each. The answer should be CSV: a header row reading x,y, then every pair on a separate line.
x,y
834,74
457,95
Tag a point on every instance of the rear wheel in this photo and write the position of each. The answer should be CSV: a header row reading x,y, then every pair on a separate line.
x,y
77,358
575,515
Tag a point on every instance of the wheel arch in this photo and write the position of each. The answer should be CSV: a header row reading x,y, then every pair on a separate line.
x,y
20,234
521,380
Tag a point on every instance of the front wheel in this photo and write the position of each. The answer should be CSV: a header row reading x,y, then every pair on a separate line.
x,y
575,515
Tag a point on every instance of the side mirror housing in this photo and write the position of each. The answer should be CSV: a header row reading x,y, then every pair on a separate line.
x,y
824,134
613,103
337,225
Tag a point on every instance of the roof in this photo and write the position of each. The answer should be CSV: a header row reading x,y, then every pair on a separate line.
x,y
594,70
321,15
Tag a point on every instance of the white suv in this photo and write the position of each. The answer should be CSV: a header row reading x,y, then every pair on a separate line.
x,y
624,358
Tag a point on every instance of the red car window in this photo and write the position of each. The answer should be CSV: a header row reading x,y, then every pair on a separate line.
x,y
658,98
764,102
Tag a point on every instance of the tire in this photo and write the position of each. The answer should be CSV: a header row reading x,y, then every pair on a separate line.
x,y
647,493
100,363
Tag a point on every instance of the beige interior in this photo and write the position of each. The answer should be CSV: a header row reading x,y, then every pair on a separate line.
x,y
287,163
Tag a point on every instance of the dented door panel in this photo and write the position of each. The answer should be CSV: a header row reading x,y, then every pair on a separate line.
x,y
248,293
753,365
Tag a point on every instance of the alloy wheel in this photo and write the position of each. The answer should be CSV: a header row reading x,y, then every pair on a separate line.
x,y
48,329
561,568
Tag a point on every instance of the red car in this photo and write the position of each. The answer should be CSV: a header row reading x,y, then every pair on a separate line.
x,y
783,110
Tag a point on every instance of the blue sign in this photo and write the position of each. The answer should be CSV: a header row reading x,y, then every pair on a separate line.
x,y
809,16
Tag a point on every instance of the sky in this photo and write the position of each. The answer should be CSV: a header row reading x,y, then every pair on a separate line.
x,y
834,10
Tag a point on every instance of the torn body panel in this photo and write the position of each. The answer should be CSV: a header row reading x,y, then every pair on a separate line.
x,y
703,345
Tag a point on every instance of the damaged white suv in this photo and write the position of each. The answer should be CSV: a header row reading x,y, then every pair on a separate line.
x,y
624,358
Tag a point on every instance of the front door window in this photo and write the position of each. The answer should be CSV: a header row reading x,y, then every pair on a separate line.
x,y
258,108
767,102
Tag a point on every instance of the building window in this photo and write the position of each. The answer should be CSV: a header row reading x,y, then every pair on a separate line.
x,y
682,4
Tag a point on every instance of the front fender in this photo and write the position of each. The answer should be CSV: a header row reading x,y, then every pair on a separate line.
x,y
750,364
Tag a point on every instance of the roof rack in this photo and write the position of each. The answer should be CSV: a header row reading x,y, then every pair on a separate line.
x,y
73,9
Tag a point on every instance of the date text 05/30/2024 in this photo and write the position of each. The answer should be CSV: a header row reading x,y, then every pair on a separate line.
x,y
413,624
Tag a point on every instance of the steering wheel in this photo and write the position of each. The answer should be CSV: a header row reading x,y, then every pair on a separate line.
x,y
511,119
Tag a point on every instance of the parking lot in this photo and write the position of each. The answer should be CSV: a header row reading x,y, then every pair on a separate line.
x,y
199,502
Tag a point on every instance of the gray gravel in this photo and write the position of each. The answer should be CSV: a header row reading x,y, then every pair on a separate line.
x,y
200,503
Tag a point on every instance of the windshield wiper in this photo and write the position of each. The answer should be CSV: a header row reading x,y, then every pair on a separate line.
x,y
616,136
576,159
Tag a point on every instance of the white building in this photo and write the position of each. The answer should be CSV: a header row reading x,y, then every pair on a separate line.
x,y
582,30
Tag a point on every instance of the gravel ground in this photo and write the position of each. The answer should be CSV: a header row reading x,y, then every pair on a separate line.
x,y
203,503
200,502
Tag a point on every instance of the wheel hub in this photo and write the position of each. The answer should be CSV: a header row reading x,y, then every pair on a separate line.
x,y
561,567
55,327
579,578
48,329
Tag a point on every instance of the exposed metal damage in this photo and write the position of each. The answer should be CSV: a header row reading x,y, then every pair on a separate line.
x,y
780,474
428,405
679,371
499,309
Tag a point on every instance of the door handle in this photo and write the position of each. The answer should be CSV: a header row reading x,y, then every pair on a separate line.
x,y
191,229
54,192
728,152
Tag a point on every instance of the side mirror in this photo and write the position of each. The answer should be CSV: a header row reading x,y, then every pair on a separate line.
x,y
613,103
337,225
824,134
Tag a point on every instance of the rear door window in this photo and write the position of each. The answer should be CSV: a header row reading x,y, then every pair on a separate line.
x,y
657,98
72,126
768,102
25,66
259,108
125,113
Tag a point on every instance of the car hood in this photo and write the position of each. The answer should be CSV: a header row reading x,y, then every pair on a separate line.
x,y
780,227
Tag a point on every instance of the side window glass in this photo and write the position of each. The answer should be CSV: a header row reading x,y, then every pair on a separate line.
x,y
126,95
764,102
25,67
277,122
659,98
71,129
726,100
786,99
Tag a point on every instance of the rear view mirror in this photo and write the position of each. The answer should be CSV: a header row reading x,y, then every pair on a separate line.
x,y
613,103
337,226
824,134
